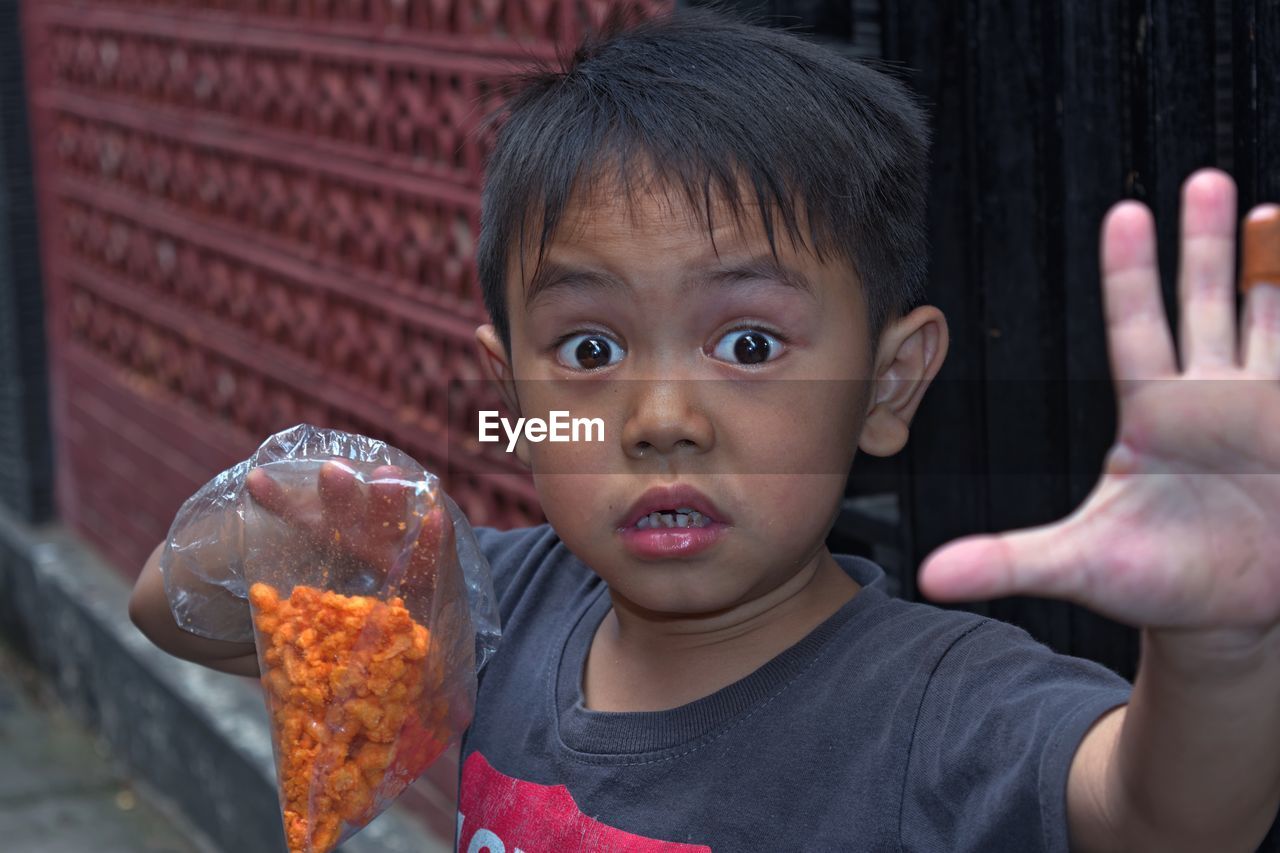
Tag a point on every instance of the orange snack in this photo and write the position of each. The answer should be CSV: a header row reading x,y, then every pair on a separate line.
x,y
354,697
1260,261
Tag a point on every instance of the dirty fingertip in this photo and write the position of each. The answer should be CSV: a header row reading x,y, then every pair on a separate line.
x,y
388,472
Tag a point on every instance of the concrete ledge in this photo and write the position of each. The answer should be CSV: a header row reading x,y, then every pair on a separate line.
x,y
198,736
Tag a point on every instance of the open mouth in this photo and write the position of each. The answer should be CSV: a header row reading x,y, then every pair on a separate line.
x,y
680,517
673,522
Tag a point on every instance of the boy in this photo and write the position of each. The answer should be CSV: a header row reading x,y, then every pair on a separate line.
x,y
710,236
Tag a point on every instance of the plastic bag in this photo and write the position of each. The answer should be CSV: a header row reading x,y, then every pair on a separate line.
x,y
370,604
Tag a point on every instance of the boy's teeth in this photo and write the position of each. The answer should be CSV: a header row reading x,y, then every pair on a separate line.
x,y
682,517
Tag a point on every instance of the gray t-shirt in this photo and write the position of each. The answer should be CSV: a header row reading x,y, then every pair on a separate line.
x,y
891,726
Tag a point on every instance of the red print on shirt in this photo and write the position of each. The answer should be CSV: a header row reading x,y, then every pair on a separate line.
x,y
499,814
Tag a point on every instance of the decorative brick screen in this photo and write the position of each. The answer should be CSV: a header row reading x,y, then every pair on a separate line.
x,y
261,212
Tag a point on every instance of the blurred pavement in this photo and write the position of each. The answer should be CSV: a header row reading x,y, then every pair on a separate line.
x,y
59,790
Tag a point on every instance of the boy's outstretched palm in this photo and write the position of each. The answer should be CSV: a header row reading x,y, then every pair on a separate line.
x,y
1183,529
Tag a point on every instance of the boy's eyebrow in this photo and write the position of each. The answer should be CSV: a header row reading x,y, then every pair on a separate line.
x,y
764,267
554,275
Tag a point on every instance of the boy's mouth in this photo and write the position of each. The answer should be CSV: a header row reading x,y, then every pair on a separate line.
x,y
672,522
682,517
675,507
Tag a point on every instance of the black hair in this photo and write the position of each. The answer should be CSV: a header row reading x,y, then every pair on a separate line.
x,y
710,105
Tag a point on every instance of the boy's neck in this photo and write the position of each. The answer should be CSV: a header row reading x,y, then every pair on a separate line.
x,y
630,664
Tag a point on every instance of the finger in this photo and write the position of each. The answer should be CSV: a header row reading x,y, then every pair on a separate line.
x,y
269,494
1206,265
1260,282
1138,337
341,498
388,500
1038,561
432,551
435,538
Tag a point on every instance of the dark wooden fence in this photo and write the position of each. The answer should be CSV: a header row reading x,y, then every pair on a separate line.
x,y
1044,115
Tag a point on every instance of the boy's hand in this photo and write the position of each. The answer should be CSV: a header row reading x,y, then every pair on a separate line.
x,y
346,519
1183,529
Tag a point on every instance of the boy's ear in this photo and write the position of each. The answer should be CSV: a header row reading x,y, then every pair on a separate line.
x,y
909,356
496,364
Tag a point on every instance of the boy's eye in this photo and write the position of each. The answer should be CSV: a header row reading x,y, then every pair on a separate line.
x,y
589,352
747,346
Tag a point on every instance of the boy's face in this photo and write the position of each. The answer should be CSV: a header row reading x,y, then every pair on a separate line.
x,y
732,385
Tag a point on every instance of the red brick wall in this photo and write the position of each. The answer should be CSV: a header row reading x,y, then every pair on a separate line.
x,y
261,212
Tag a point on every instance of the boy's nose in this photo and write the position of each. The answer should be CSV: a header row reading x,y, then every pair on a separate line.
x,y
665,418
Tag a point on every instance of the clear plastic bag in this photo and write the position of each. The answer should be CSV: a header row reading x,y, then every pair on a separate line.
x,y
370,604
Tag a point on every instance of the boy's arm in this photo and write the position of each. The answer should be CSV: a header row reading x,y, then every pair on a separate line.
x,y
149,610
1179,537
1193,763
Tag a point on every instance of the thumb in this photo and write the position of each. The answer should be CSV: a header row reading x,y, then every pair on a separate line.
x,y
1039,561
